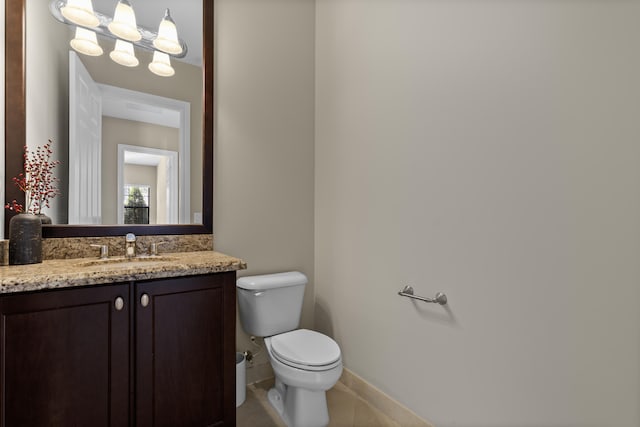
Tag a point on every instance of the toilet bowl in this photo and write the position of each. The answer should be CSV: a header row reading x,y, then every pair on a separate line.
x,y
304,372
306,363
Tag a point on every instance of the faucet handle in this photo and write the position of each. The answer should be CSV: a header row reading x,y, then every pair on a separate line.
x,y
104,250
130,245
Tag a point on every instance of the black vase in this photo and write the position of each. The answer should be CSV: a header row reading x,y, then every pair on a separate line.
x,y
44,219
25,239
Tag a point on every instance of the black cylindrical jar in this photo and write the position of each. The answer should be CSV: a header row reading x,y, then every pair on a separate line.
x,y
25,239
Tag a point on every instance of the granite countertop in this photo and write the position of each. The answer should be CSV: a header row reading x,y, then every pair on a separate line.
x,y
65,273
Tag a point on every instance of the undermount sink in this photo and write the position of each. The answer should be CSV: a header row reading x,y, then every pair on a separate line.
x,y
128,261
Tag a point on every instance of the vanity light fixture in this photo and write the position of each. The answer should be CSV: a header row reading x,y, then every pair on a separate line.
x,y
80,12
167,39
161,65
86,42
124,22
123,54
124,30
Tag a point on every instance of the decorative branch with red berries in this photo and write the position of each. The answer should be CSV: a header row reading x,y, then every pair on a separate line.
x,y
38,181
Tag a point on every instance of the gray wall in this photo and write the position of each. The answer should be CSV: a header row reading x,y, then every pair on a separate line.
x,y
263,186
490,150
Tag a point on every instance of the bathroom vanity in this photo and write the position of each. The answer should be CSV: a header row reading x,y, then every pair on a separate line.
x,y
148,342
124,343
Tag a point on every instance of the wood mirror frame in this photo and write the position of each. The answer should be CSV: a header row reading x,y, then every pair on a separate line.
x,y
15,132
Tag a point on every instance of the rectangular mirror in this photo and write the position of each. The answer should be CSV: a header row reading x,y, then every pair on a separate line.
x,y
153,135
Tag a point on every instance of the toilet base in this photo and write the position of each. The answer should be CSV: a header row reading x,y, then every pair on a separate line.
x,y
299,407
275,398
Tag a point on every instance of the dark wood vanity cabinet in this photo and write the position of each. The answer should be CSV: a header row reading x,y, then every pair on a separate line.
x,y
185,351
65,358
149,353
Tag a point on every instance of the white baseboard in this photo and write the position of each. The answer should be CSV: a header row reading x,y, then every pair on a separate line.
x,y
382,401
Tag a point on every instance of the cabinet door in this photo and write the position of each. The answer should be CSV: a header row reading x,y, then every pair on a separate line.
x,y
65,357
185,351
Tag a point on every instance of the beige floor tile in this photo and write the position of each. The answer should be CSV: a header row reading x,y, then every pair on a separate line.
x,y
366,416
252,414
362,414
342,406
256,410
346,409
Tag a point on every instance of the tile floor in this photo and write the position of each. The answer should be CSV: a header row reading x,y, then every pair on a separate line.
x,y
346,409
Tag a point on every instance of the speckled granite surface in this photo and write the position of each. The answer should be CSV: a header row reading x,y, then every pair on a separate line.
x,y
80,247
65,273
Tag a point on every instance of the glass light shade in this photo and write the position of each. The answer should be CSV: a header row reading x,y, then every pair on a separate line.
x,y
167,40
80,12
161,65
86,42
124,22
123,54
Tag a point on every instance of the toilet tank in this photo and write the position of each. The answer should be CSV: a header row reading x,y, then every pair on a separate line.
x,y
271,304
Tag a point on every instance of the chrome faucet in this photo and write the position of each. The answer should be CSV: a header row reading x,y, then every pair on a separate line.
x,y
104,250
130,248
153,248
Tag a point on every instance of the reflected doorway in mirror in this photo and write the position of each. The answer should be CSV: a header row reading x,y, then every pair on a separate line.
x,y
152,168
94,107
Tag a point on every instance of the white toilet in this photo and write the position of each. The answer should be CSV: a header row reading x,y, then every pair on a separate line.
x,y
306,363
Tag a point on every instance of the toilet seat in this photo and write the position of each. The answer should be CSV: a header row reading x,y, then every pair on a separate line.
x,y
305,349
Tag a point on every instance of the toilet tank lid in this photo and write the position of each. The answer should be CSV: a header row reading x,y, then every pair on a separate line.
x,y
271,281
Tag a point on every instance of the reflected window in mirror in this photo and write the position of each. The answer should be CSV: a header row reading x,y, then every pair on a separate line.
x,y
136,204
